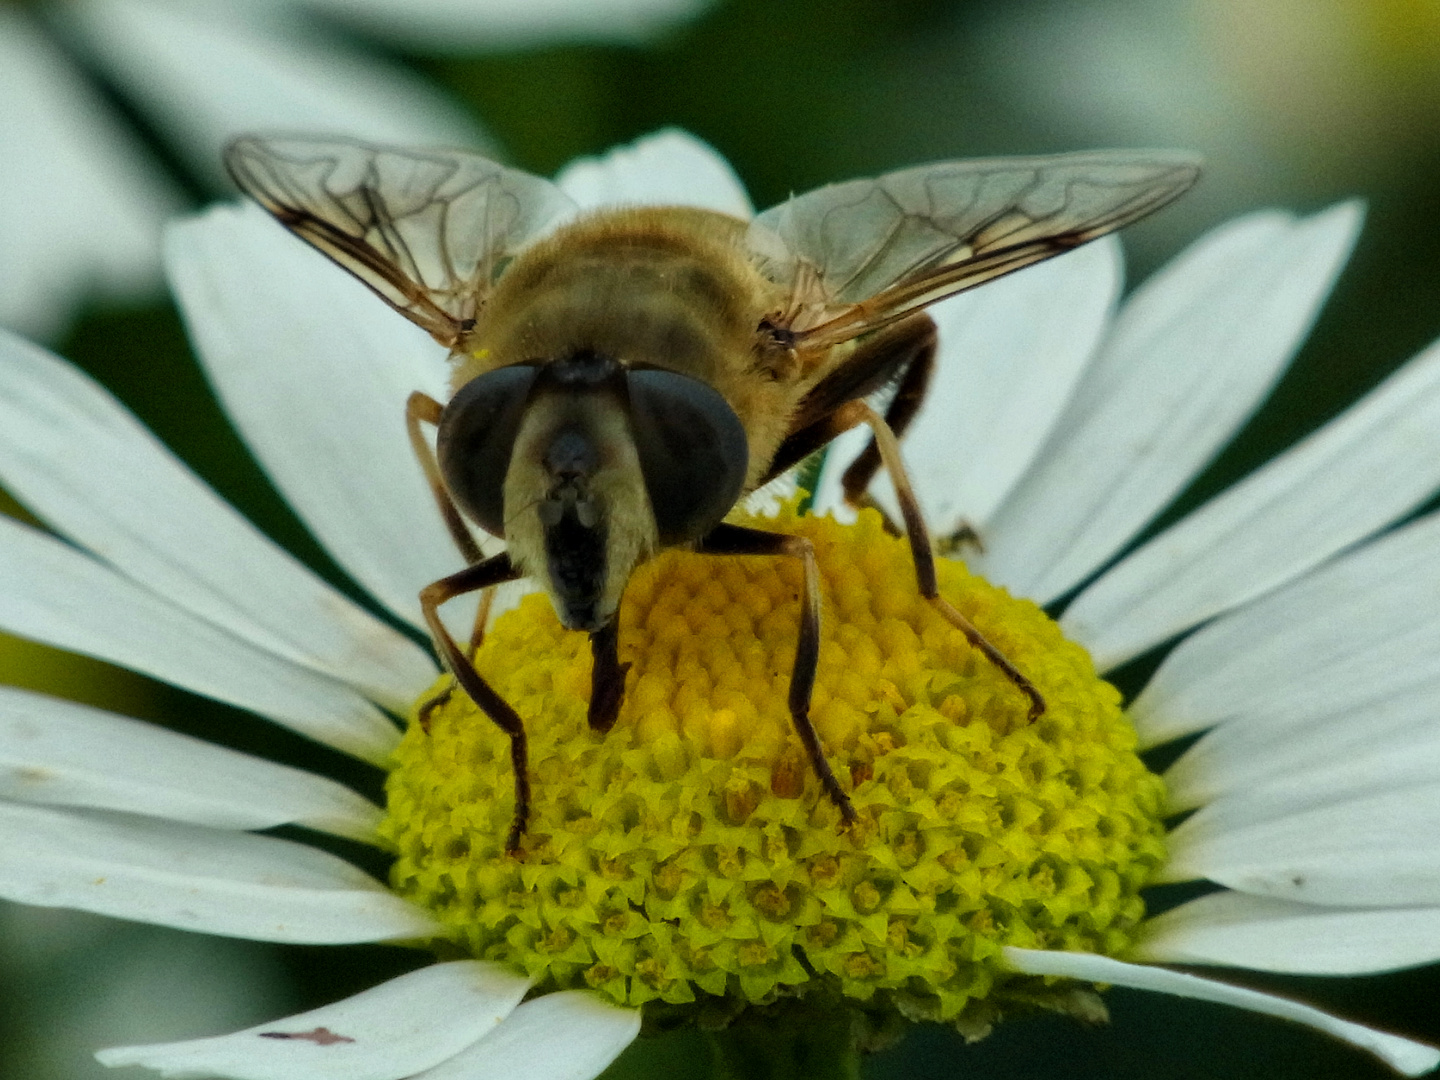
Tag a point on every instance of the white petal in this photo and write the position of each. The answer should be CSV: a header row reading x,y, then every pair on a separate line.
x,y
1380,848
668,168
767,501
572,1035
1410,1058
61,753
82,206
471,25
1264,934
209,71
208,880
314,371
1388,744
52,593
1377,744
80,461
1372,465
1010,355
1191,355
395,1029
1358,630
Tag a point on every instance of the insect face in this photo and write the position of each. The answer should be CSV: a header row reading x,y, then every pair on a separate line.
x,y
586,466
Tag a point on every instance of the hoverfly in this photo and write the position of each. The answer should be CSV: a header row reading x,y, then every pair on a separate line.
x,y
622,377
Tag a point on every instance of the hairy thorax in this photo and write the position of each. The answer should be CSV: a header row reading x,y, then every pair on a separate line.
x,y
670,288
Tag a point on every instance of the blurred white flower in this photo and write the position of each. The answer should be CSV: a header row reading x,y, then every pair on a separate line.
x,y
479,25
81,200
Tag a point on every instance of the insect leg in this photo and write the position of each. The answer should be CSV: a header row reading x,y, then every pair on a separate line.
x,y
919,349
483,575
423,409
875,363
737,540
607,677
920,550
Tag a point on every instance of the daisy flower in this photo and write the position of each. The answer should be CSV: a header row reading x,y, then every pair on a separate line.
x,y
82,202
687,865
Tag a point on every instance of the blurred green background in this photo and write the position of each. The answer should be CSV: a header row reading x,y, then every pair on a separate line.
x,y
1295,103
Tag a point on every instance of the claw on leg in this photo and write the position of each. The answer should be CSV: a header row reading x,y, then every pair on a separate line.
x,y
436,699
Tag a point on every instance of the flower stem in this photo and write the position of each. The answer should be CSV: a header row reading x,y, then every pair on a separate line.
x,y
799,1041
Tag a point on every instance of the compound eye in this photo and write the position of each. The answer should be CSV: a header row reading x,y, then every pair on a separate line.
x,y
693,451
477,433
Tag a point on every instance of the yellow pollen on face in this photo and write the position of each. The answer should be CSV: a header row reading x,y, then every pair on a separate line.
x,y
692,852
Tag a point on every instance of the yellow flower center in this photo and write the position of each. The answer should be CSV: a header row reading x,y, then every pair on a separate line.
x,y
692,852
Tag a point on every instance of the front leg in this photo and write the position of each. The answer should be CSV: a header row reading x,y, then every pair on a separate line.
x,y
607,677
423,409
737,540
483,575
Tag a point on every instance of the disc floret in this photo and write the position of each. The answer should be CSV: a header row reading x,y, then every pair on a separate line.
x,y
691,855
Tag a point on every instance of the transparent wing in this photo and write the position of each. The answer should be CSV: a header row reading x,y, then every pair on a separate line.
x,y
866,253
428,230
